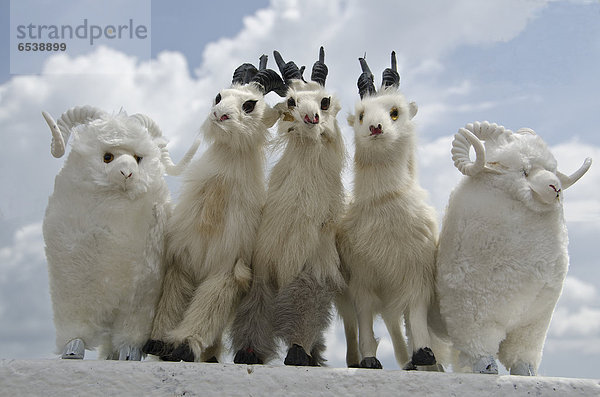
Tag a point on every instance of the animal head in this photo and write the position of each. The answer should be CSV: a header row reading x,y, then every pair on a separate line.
x,y
239,116
309,110
113,153
519,163
382,119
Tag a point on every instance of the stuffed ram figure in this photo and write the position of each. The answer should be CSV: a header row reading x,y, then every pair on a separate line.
x,y
502,255
103,230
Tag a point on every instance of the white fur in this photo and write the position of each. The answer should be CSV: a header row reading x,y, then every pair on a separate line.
x,y
387,237
212,233
503,255
104,235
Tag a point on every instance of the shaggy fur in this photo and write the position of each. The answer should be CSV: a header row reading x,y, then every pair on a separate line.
x,y
103,231
503,251
295,263
387,237
211,235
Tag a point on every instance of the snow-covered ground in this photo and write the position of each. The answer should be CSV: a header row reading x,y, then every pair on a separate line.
x,y
149,378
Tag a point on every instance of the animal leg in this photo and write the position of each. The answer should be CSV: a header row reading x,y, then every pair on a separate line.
x,y
208,313
130,353
521,350
252,330
394,327
346,311
74,350
302,313
485,365
419,334
366,338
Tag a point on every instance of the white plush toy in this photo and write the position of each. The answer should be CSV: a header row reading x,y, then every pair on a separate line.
x,y
212,233
103,230
295,263
502,255
388,235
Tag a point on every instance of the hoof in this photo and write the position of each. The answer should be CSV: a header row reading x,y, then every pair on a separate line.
x,y
409,366
182,353
129,353
156,348
423,356
246,356
371,362
213,359
486,365
297,356
354,366
74,350
522,369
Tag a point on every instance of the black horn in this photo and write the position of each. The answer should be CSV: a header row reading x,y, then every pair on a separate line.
x,y
244,74
288,70
390,76
365,83
268,80
319,70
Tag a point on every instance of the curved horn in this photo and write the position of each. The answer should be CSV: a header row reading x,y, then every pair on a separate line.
x,y
243,74
288,70
268,80
61,131
319,70
365,82
154,131
461,146
390,76
567,181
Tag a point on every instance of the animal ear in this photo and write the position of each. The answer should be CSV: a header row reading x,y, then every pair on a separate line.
x,y
270,116
413,108
351,119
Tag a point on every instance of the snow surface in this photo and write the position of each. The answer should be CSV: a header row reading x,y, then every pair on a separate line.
x,y
149,378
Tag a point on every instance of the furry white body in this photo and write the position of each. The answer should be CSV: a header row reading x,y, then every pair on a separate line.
x,y
104,236
295,262
212,233
387,237
502,255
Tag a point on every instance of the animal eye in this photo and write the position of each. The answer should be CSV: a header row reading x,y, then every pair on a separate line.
x,y
325,103
394,114
248,106
108,157
291,103
360,117
137,158
218,98
525,172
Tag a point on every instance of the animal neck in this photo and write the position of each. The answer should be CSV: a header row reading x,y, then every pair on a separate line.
x,y
235,161
377,179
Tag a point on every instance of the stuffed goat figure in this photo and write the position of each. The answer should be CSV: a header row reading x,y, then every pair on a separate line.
x,y
103,230
502,255
388,235
295,263
212,232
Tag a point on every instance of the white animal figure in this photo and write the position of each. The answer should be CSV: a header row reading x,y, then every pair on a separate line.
x,y
295,263
503,255
388,235
212,232
103,230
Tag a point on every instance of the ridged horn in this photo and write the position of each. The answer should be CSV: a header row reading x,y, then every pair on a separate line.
x,y
244,74
473,134
61,130
390,76
155,132
289,70
319,69
366,85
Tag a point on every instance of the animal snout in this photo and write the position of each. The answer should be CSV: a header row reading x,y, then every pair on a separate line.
x,y
375,130
127,174
546,185
223,117
557,190
311,120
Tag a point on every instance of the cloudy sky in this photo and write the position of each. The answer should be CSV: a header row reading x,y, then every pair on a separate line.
x,y
518,63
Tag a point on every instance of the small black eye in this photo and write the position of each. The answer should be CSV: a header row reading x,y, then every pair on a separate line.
x,y
291,103
137,158
248,106
325,103
108,157
218,98
394,114
361,116
525,172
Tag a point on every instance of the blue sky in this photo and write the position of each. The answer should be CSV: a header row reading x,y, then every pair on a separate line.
x,y
518,63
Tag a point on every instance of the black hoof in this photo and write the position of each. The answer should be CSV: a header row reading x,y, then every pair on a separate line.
x,y
354,366
423,356
410,367
156,347
246,356
180,353
213,359
297,356
371,362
